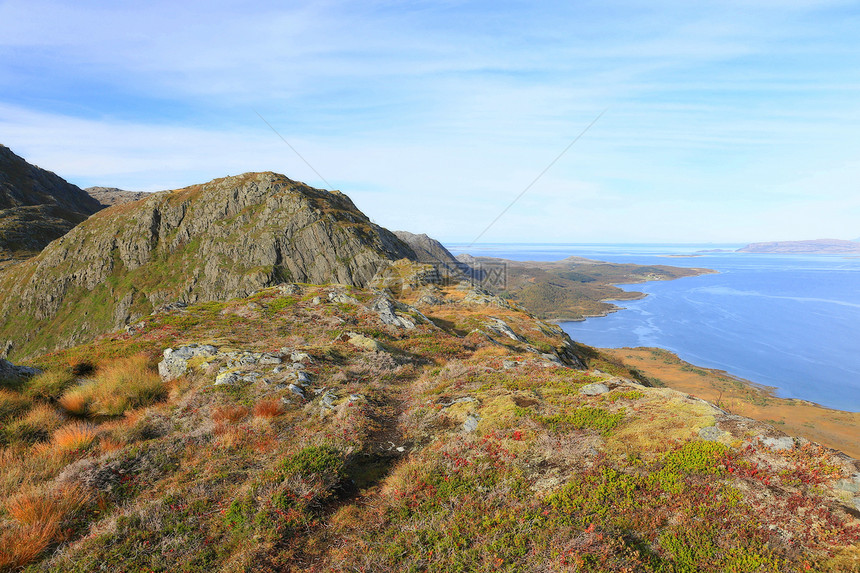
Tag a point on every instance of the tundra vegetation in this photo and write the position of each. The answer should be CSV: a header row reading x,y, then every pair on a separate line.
x,y
345,443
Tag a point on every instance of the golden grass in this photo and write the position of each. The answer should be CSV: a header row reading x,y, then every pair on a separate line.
x,y
40,515
76,401
12,403
269,408
23,544
50,384
74,436
45,416
120,385
230,414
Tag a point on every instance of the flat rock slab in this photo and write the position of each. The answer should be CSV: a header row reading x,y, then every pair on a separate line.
x,y
594,389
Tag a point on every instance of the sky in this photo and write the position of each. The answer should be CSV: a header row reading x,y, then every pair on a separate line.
x,y
721,121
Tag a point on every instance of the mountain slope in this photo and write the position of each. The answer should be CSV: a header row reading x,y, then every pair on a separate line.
x,y
222,239
36,206
303,429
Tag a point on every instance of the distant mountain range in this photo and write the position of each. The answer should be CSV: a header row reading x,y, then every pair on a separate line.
x,y
816,246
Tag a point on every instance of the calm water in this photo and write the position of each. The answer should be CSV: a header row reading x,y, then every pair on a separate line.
x,y
789,321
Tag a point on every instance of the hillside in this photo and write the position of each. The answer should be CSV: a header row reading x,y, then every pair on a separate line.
x,y
324,428
817,246
214,241
36,207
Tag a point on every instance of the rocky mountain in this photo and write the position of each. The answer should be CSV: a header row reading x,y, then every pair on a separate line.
x,y
214,241
429,250
816,246
36,206
109,196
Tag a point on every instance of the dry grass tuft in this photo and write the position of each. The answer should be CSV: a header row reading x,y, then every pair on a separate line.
x,y
22,545
51,384
35,426
76,401
12,403
74,436
232,414
121,385
40,515
270,408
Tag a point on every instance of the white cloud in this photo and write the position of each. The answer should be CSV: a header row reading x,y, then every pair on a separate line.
x,y
435,116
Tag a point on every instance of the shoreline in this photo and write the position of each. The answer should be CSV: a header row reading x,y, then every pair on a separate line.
x,y
837,429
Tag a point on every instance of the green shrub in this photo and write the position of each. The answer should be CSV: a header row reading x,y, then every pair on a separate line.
x,y
314,460
580,418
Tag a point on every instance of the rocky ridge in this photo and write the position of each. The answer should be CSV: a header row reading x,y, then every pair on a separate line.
x,y
215,241
109,196
36,206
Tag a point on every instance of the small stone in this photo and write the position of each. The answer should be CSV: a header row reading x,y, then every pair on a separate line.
x,y
228,378
510,364
300,357
270,359
297,390
711,433
363,342
594,389
784,443
303,377
471,423
342,297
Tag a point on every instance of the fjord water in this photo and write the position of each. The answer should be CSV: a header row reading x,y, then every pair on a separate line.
x,y
788,321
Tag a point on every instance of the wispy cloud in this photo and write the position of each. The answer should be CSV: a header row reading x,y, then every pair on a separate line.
x,y
435,115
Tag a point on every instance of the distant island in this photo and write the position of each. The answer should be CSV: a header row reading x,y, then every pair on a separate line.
x,y
817,246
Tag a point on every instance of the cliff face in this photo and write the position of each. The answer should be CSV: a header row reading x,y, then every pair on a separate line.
x,y
222,239
36,206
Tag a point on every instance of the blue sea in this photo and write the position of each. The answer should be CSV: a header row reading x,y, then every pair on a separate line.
x,y
788,321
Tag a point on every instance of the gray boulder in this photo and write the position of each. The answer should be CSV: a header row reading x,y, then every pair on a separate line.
x,y
385,308
594,389
175,362
12,373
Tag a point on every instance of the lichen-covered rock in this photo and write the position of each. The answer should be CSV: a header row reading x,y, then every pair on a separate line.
x,y
175,362
362,342
499,326
385,308
594,389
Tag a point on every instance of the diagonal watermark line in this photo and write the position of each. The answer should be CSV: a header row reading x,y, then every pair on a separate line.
x,y
541,174
294,150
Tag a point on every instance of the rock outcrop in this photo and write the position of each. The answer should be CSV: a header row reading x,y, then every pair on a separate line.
x,y
226,238
36,206
109,196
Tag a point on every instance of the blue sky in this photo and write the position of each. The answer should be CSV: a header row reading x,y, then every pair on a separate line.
x,y
724,121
